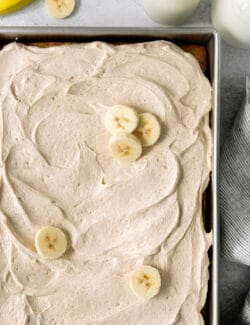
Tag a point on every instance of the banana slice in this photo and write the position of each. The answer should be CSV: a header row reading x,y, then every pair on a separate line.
x,y
145,281
121,118
148,130
60,8
125,147
50,242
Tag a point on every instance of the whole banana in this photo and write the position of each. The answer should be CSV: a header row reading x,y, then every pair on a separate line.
x,y
9,6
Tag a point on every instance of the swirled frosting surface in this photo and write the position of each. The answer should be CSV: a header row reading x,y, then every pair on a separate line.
x,y
56,170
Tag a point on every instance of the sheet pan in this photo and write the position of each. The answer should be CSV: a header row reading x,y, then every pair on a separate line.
x,y
207,37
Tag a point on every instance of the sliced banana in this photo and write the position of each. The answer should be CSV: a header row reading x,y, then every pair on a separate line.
x,y
50,242
148,130
145,281
125,147
121,118
60,8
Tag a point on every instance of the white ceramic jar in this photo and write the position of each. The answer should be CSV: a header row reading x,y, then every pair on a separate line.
x,y
170,12
232,19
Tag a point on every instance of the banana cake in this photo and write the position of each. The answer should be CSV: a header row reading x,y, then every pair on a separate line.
x,y
105,156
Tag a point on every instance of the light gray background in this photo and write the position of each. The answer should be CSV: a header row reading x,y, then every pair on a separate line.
x,y
234,279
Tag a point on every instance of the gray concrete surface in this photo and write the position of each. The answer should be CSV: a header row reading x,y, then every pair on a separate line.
x,y
234,278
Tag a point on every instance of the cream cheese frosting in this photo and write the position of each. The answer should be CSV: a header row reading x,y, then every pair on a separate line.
x,y
56,170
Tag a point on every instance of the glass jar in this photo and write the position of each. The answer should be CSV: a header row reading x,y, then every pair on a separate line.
x,y
170,12
232,19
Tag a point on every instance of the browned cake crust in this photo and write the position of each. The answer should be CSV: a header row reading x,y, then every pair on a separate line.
x,y
199,52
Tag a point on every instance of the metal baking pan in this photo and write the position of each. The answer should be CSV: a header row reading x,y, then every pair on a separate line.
x,y
207,37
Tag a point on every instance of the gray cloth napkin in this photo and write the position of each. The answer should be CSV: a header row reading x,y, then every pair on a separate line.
x,y
234,193
246,310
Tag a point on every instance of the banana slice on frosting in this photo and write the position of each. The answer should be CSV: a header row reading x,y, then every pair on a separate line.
x,y
121,118
145,281
125,147
148,130
60,8
50,242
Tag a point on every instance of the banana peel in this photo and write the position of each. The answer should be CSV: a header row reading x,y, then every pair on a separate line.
x,y
9,6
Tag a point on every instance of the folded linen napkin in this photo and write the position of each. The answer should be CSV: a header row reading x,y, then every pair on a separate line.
x,y
234,193
246,310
